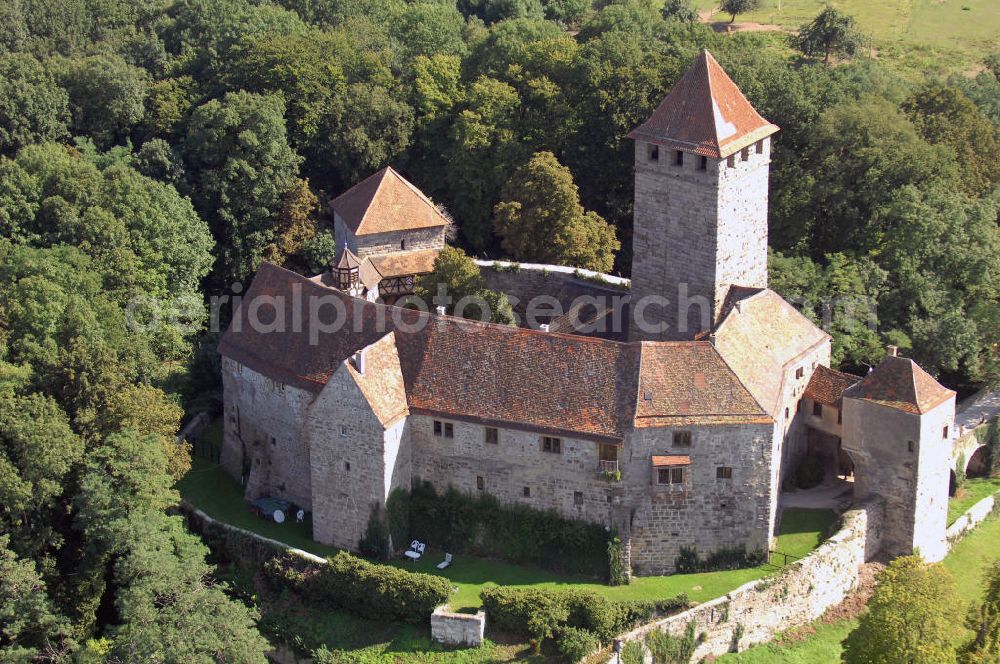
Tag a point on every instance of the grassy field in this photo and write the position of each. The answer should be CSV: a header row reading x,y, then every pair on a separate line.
x,y
915,32
973,491
210,489
967,562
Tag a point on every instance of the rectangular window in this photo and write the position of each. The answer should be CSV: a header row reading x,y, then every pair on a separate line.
x,y
760,147
731,161
526,492
840,416
786,413
449,430
438,427
703,164
682,439
723,473
800,372
480,482
670,476
578,497
817,409
745,154
654,153
909,445
678,158
551,445
343,430
402,243
944,434
492,436
274,441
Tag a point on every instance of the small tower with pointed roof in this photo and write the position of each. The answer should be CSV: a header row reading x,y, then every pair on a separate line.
x,y
701,186
897,428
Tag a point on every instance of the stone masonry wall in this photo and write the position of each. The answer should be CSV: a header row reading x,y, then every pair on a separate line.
x,y
389,243
568,482
355,461
795,596
974,516
697,230
262,440
705,512
457,629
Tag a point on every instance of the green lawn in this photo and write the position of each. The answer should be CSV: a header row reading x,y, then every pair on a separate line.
x,y
210,489
973,491
967,562
919,33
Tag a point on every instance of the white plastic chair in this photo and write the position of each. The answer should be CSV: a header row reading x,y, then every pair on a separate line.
x,y
446,562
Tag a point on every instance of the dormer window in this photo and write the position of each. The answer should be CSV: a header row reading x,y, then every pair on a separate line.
x,y
402,244
654,153
682,439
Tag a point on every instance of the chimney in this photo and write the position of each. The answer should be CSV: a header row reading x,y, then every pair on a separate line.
x,y
544,327
441,311
892,351
359,361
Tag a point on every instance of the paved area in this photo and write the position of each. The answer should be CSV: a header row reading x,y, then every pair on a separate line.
x,y
976,410
835,495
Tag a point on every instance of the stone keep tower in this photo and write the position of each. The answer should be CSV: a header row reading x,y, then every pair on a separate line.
x,y
700,226
897,427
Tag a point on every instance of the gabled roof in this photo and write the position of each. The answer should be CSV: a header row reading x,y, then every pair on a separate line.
x,y
705,113
760,335
688,382
826,385
386,202
899,382
564,384
382,382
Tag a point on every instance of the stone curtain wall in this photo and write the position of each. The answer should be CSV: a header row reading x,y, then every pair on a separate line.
x,y
795,596
457,629
972,518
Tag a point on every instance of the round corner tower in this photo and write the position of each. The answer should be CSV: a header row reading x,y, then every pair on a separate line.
x,y
702,164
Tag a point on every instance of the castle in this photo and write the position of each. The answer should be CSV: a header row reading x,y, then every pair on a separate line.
x,y
679,435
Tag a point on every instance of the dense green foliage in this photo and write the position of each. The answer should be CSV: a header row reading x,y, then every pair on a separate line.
x,y
457,284
542,613
368,590
984,621
480,525
690,561
669,649
909,618
831,32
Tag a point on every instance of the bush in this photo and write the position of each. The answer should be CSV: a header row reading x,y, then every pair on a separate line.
x,y
368,590
575,644
375,542
516,610
726,558
479,525
618,572
669,649
809,472
633,653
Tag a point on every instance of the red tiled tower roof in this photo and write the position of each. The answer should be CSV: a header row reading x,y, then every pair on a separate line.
x,y
899,382
705,113
386,202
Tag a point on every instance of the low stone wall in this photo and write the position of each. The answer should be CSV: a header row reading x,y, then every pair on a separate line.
x,y
798,594
972,518
457,629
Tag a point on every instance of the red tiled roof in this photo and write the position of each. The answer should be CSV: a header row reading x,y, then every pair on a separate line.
x,y
899,382
705,113
382,382
826,385
759,336
690,380
567,384
386,202
671,460
403,263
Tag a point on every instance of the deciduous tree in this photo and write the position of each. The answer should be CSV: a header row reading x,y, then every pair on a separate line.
x,y
541,219
831,32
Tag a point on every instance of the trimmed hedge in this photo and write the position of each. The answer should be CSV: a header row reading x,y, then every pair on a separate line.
x,y
368,590
724,559
481,526
521,610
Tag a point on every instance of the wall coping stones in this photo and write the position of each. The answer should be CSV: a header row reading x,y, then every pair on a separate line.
x,y
562,269
970,519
